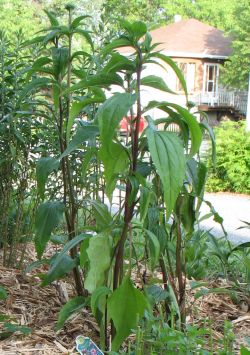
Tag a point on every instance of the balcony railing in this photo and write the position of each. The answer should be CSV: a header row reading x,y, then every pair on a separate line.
x,y
236,100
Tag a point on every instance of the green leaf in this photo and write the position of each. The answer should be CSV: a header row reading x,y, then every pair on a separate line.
x,y
98,302
157,83
32,86
209,129
99,80
168,157
98,306
244,350
99,261
193,125
76,108
185,209
154,248
83,134
52,18
110,114
48,215
77,21
13,328
60,57
197,172
125,307
72,306
102,215
117,43
44,167
118,62
136,29
145,197
86,35
62,267
3,293
175,68
115,161
63,263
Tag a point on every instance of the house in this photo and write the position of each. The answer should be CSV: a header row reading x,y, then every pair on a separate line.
x,y
199,50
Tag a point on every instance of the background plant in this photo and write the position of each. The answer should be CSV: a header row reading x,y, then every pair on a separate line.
x,y
232,169
17,193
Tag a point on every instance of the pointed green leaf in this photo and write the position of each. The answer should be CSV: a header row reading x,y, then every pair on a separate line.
x,y
102,215
32,86
3,293
76,108
86,35
209,129
99,80
111,113
117,43
52,18
63,267
99,261
48,215
44,167
145,197
118,62
168,157
115,161
193,125
60,57
125,307
197,173
154,248
72,306
156,83
83,134
77,21
136,29
63,263
175,68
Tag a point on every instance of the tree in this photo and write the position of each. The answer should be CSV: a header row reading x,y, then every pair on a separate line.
x,y
237,69
16,15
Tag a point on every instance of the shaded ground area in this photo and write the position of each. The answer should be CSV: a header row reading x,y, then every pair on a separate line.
x,y
233,208
38,308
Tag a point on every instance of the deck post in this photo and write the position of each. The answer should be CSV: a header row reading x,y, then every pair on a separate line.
x,y
248,108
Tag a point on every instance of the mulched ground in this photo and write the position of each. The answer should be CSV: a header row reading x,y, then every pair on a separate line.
x,y
31,305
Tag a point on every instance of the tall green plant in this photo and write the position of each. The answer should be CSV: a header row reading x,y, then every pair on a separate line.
x,y
16,164
156,170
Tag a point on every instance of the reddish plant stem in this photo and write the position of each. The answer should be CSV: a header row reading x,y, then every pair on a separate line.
x,y
129,207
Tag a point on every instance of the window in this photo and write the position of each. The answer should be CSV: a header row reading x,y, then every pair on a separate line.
x,y
188,70
210,78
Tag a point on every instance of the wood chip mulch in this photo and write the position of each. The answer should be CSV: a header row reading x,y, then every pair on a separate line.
x,y
37,307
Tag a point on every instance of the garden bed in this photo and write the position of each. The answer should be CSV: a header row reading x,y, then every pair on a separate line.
x,y
30,305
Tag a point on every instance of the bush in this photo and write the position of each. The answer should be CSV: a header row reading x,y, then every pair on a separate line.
x,y
232,169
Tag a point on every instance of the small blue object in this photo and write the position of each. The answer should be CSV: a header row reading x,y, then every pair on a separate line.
x,y
85,346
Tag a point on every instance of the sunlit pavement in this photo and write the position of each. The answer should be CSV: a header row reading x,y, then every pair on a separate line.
x,y
234,209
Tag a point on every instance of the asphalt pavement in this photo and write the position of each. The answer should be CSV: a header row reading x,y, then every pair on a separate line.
x,y
233,208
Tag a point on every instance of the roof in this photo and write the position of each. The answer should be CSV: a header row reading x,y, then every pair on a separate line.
x,y
191,38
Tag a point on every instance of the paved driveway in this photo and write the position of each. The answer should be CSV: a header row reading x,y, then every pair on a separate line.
x,y
233,208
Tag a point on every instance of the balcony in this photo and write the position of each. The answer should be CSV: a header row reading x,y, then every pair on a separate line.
x,y
234,101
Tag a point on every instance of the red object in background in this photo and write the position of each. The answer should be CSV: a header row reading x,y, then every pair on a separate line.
x,y
125,126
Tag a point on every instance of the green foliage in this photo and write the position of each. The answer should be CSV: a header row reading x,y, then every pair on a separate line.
x,y
72,306
48,216
168,157
232,169
236,71
98,246
131,304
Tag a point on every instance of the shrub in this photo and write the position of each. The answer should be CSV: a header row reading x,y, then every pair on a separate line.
x,y
232,169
